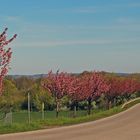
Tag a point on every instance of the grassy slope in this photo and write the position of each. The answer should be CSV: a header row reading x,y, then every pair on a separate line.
x,y
53,122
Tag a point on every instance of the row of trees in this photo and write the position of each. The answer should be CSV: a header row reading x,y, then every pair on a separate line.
x,y
88,87
63,91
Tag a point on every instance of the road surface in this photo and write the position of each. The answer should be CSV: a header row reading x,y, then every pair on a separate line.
x,y
124,126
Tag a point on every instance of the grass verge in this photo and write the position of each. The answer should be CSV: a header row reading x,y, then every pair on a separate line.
x,y
62,121
131,104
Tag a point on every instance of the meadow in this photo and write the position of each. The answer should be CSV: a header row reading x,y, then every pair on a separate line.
x,y
20,119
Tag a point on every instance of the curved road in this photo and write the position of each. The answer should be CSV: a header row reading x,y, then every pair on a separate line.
x,y
124,126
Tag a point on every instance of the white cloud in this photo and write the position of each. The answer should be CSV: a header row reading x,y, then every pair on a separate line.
x,y
86,42
11,18
125,20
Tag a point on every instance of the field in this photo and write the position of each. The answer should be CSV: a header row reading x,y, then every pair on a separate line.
x,y
20,120
22,117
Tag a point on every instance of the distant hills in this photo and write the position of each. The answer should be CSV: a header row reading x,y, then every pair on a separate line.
x,y
36,76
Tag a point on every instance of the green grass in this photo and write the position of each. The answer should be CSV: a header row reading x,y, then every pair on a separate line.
x,y
69,121
20,119
19,127
51,121
131,104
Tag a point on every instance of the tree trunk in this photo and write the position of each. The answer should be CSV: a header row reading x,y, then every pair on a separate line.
x,y
108,103
114,102
89,106
57,109
75,109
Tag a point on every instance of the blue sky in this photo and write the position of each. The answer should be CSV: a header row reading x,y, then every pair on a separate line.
x,y
73,35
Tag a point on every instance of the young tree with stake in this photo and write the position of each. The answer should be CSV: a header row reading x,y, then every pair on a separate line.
x,y
58,85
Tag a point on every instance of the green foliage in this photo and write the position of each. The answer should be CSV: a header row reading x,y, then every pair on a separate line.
x,y
15,94
24,83
11,97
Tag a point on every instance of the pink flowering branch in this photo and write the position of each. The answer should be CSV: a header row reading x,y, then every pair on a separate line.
x,y
5,56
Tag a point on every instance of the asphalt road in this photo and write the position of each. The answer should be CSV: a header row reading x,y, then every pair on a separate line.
x,y
124,126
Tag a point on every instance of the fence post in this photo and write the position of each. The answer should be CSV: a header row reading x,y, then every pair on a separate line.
x,y
43,116
8,119
11,114
29,109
